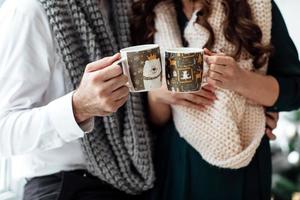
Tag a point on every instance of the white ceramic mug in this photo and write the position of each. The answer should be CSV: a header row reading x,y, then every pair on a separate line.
x,y
142,65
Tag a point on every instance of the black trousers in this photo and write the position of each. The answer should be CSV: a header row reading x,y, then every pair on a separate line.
x,y
74,185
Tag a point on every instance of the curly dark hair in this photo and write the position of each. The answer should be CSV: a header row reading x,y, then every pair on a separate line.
x,y
239,26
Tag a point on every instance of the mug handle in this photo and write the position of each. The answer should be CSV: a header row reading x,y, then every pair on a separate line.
x,y
125,68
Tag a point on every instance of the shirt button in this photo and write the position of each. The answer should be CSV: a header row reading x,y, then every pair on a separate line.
x,y
84,175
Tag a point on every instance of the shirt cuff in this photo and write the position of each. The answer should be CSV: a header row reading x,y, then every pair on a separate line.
x,y
88,125
62,117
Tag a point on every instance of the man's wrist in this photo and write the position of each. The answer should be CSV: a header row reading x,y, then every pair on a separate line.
x,y
79,115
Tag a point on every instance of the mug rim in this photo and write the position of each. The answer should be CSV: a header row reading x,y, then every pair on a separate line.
x,y
184,50
138,48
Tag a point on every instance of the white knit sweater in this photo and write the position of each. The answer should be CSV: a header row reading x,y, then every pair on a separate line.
x,y
228,133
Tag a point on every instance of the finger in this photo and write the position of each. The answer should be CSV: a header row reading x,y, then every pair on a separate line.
x,y
216,76
110,72
199,100
189,104
121,102
100,64
214,83
116,83
196,99
208,52
212,53
115,105
217,68
120,93
204,101
271,123
270,135
209,88
273,115
207,93
276,116
205,74
219,60
220,53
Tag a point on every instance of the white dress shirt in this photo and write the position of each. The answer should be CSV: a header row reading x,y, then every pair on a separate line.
x,y
36,114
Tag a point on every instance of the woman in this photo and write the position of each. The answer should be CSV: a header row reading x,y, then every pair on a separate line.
x,y
64,104
184,174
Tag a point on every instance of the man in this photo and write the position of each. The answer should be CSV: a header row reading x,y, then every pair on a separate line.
x,y
64,104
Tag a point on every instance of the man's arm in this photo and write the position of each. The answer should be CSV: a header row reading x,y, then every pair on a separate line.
x,y
284,65
26,67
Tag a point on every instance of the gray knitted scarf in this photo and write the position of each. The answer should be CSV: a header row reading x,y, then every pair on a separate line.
x,y
118,151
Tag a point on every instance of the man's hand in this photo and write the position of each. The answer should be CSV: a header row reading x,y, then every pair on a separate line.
x,y
102,90
272,119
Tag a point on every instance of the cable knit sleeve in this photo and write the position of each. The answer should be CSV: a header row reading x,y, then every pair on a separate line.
x,y
168,32
284,65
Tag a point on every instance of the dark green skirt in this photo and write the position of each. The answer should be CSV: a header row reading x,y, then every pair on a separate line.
x,y
182,174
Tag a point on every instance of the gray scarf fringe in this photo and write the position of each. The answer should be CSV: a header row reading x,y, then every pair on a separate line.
x,y
118,151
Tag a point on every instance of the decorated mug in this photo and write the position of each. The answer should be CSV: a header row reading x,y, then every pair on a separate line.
x,y
184,69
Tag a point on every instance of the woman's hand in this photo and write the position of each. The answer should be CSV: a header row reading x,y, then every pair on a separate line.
x,y
196,100
224,72
271,123
161,99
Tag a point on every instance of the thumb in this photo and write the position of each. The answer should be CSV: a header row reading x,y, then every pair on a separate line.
x,y
102,63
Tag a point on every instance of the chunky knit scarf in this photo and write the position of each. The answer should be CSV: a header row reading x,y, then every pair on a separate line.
x,y
118,151
227,133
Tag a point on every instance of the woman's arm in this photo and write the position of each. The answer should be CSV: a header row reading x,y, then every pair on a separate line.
x,y
284,68
262,89
226,73
280,91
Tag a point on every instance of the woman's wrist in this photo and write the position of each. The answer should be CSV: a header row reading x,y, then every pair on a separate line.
x,y
243,84
262,89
